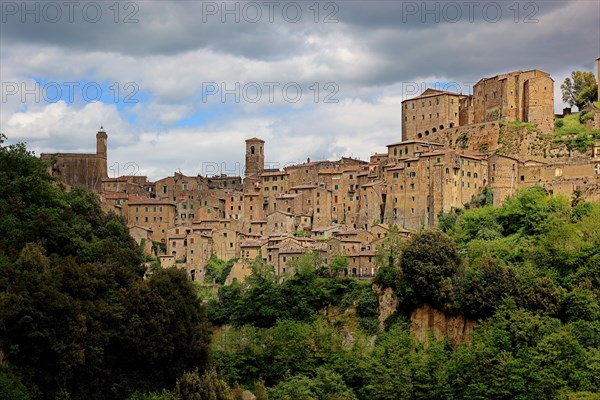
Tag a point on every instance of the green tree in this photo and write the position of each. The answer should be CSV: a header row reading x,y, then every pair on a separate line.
x,y
209,386
260,391
325,385
484,287
579,89
429,263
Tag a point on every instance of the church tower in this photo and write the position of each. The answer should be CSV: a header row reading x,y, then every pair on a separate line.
x,y
255,156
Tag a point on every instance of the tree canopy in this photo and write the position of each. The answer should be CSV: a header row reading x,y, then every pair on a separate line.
x,y
579,89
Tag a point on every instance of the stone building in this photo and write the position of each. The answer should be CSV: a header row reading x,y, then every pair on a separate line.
x,y
422,184
429,112
87,170
526,96
158,215
255,157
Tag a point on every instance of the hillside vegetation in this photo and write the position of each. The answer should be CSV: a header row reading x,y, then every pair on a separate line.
x,y
572,131
79,321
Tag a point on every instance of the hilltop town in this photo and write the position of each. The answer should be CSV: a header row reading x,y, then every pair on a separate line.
x,y
455,150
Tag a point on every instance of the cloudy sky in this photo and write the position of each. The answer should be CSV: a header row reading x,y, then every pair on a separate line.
x,y
179,85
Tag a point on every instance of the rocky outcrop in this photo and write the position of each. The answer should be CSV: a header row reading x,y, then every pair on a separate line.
x,y
387,303
428,319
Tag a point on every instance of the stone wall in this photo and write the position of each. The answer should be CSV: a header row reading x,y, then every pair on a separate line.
x,y
515,139
87,170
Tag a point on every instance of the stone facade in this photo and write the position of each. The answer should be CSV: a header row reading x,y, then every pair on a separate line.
x,y
526,96
87,170
429,112
454,148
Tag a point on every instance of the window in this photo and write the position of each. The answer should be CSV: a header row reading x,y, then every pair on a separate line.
x,y
406,150
522,178
336,187
437,160
395,152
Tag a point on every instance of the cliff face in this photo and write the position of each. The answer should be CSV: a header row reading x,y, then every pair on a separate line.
x,y
387,303
427,319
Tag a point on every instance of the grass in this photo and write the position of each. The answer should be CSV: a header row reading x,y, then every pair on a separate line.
x,y
574,134
571,126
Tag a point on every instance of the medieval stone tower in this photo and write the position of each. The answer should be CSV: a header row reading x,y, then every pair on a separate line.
x,y
101,138
255,156
86,170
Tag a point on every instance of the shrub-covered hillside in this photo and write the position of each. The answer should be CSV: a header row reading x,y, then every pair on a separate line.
x,y
528,272
77,321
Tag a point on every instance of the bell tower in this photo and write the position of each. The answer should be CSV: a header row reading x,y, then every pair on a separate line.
x,y
255,156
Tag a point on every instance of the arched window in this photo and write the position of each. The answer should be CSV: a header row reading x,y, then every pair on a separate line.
x,y
434,130
426,133
420,135
451,124
441,127
251,149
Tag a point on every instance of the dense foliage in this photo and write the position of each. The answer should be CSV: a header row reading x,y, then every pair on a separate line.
x,y
528,272
76,318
